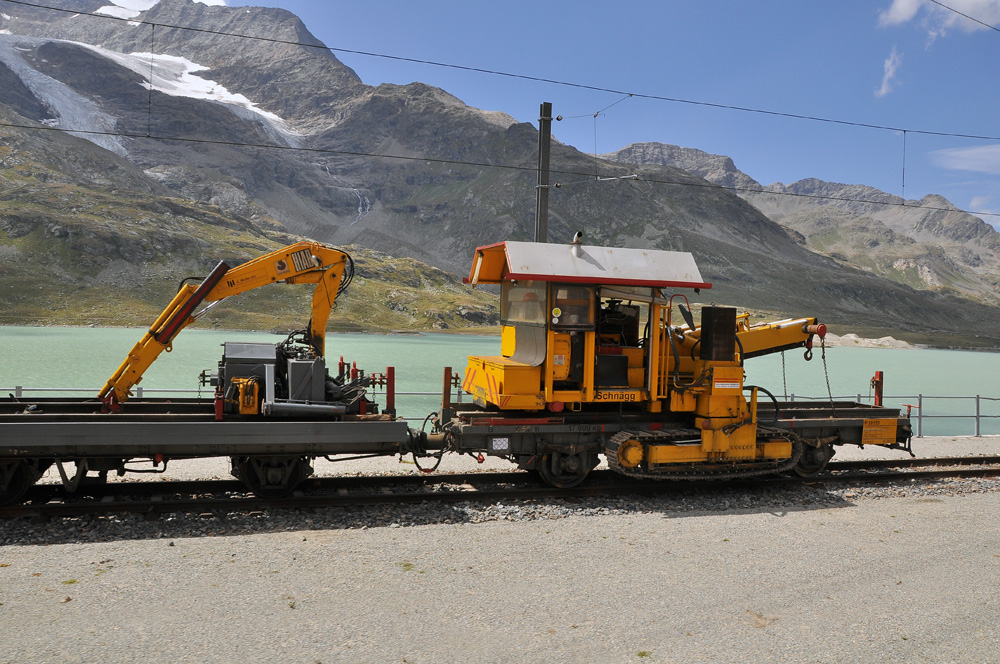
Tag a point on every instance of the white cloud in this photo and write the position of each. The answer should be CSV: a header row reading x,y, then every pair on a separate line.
x,y
938,20
899,12
980,159
890,68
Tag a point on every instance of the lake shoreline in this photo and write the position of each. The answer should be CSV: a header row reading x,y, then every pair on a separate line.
x,y
848,339
84,357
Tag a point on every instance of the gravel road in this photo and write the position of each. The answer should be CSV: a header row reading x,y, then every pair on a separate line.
x,y
905,573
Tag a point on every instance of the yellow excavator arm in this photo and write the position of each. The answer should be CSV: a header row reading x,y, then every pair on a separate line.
x,y
767,338
300,263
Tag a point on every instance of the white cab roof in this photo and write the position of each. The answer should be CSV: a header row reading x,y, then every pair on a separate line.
x,y
580,263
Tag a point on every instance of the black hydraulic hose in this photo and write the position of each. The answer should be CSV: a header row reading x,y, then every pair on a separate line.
x,y
695,383
348,277
179,318
738,343
677,356
187,279
422,452
773,400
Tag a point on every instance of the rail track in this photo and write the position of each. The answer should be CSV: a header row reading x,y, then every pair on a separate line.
x,y
203,497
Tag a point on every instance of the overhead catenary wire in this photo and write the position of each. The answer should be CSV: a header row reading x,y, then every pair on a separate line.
x,y
903,186
591,176
974,20
627,96
597,115
526,77
149,95
509,167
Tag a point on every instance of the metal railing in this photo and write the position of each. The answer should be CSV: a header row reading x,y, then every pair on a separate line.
x,y
915,402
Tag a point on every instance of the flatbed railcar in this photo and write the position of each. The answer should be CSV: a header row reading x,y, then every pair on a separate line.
x,y
600,356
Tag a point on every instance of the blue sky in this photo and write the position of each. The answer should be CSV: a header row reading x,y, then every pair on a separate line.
x,y
908,64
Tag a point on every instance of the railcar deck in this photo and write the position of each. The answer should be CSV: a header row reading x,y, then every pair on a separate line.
x,y
181,428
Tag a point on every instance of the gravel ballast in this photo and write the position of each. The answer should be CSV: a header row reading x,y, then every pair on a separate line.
x,y
905,572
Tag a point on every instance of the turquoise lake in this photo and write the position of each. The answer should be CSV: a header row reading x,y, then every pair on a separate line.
x,y
66,357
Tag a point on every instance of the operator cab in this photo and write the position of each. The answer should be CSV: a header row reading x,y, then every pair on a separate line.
x,y
575,323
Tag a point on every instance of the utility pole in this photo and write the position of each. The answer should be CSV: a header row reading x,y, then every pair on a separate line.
x,y
542,189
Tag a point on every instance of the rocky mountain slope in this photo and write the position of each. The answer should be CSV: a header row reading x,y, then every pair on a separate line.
x,y
247,139
927,244
87,238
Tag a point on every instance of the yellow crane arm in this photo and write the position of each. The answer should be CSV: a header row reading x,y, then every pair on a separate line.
x,y
753,340
766,338
300,263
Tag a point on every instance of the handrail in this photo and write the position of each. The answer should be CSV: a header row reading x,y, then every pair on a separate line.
x,y
978,416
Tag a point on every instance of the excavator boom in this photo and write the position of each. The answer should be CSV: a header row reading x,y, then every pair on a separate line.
x,y
300,263
767,338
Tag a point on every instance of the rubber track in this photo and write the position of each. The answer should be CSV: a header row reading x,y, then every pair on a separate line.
x,y
699,471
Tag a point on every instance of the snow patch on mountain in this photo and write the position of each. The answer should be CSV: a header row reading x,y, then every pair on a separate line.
x,y
171,75
132,8
72,110
176,76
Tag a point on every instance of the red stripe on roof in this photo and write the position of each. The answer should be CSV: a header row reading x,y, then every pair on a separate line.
x,y
510,276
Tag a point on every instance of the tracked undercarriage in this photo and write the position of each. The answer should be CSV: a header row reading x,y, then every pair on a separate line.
x,y
628,453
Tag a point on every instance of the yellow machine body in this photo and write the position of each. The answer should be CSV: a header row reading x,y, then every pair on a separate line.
x,y
247,395
578,338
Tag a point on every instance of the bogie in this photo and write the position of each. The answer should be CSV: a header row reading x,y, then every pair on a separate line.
x,y
271,476
565,470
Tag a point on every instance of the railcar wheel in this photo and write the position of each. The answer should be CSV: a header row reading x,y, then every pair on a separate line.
x,y
16,477
565,471
271,477
814,460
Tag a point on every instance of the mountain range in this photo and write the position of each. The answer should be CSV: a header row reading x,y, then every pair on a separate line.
x,y
135,152
926,243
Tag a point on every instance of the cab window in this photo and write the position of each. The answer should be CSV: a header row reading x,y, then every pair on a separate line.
x,y
572,307
522,303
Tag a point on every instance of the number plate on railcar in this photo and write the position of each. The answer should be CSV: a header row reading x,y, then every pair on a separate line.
x,y
879,432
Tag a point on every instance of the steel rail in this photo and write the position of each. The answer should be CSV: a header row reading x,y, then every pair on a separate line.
x,y
483,487
909,462
91,487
